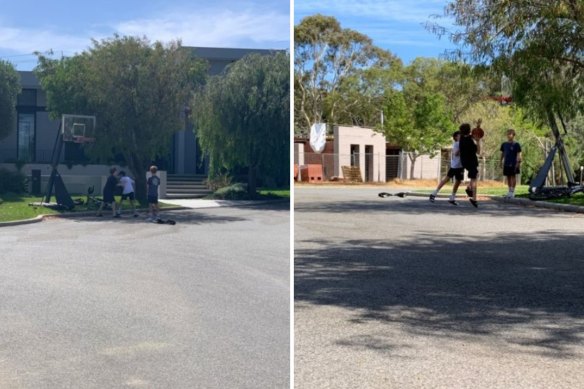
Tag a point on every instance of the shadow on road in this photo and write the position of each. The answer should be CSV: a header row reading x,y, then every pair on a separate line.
x,y
189,216
454,287
182,217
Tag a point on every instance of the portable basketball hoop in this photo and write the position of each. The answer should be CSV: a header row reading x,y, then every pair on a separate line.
x,y
80,139
506,91
73,129
78,128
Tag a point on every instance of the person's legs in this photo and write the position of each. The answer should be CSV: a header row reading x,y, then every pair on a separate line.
x,y
441,184
512,183
455,188
99,211
471,189
458,177
120,206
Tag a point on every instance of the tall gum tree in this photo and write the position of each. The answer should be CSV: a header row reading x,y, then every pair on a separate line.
x,y
326,55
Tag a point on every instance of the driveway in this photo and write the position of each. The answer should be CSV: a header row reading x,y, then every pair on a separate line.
x,y
103,303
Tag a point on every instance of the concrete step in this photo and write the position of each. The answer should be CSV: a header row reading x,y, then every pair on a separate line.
x,y
186,186
187,191
173,178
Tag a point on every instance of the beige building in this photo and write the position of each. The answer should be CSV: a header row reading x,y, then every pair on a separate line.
x,y
363,147
378,160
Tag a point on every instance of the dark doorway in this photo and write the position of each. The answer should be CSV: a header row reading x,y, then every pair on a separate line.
x,y
354,155
369,163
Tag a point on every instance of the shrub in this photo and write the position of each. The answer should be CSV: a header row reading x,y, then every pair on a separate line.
x,y
219,181
232,192
12,182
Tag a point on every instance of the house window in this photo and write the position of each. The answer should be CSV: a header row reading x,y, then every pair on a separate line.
x,y
354,155
26,137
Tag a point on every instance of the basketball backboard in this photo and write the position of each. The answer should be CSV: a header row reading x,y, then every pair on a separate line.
x,y
78,128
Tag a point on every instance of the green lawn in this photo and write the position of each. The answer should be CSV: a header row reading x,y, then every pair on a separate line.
x,y
577,199
15,207
273,193
521,192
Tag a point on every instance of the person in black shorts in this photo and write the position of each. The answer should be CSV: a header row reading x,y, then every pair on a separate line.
x,y
455,171
511,161
469,148
152,185
108,194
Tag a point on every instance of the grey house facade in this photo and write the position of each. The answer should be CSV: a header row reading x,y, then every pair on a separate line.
x,y
34,133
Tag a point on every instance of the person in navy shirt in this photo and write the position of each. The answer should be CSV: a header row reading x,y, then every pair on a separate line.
x,y
108,194
511,161
152,185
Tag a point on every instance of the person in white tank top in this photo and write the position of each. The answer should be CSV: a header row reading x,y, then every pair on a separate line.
x,y
127,192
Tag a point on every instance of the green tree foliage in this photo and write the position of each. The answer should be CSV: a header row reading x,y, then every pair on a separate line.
x,y
538,44
496,120
243,117
9,90
136,89
418,114
419,122
326,57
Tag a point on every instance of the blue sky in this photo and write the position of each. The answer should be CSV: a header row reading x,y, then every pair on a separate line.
x,y
392,24
67,26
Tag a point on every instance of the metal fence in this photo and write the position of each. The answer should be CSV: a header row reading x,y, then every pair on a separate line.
x,y
315,167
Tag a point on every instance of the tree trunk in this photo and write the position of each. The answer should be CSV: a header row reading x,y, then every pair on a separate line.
x,y
252,181
140,179
139,175
413,165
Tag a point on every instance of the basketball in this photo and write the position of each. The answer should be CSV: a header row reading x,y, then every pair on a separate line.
x,y
478,133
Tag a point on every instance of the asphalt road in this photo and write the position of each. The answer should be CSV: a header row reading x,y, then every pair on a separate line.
x,y
102,303
402,293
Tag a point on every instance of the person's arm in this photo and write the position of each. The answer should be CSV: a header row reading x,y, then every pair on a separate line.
x,y
519,158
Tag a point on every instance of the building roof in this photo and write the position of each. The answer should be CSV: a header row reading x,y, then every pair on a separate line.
x,y
226,54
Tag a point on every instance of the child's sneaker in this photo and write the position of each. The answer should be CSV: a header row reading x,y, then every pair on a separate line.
x,y
474,203
432,197
453,202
